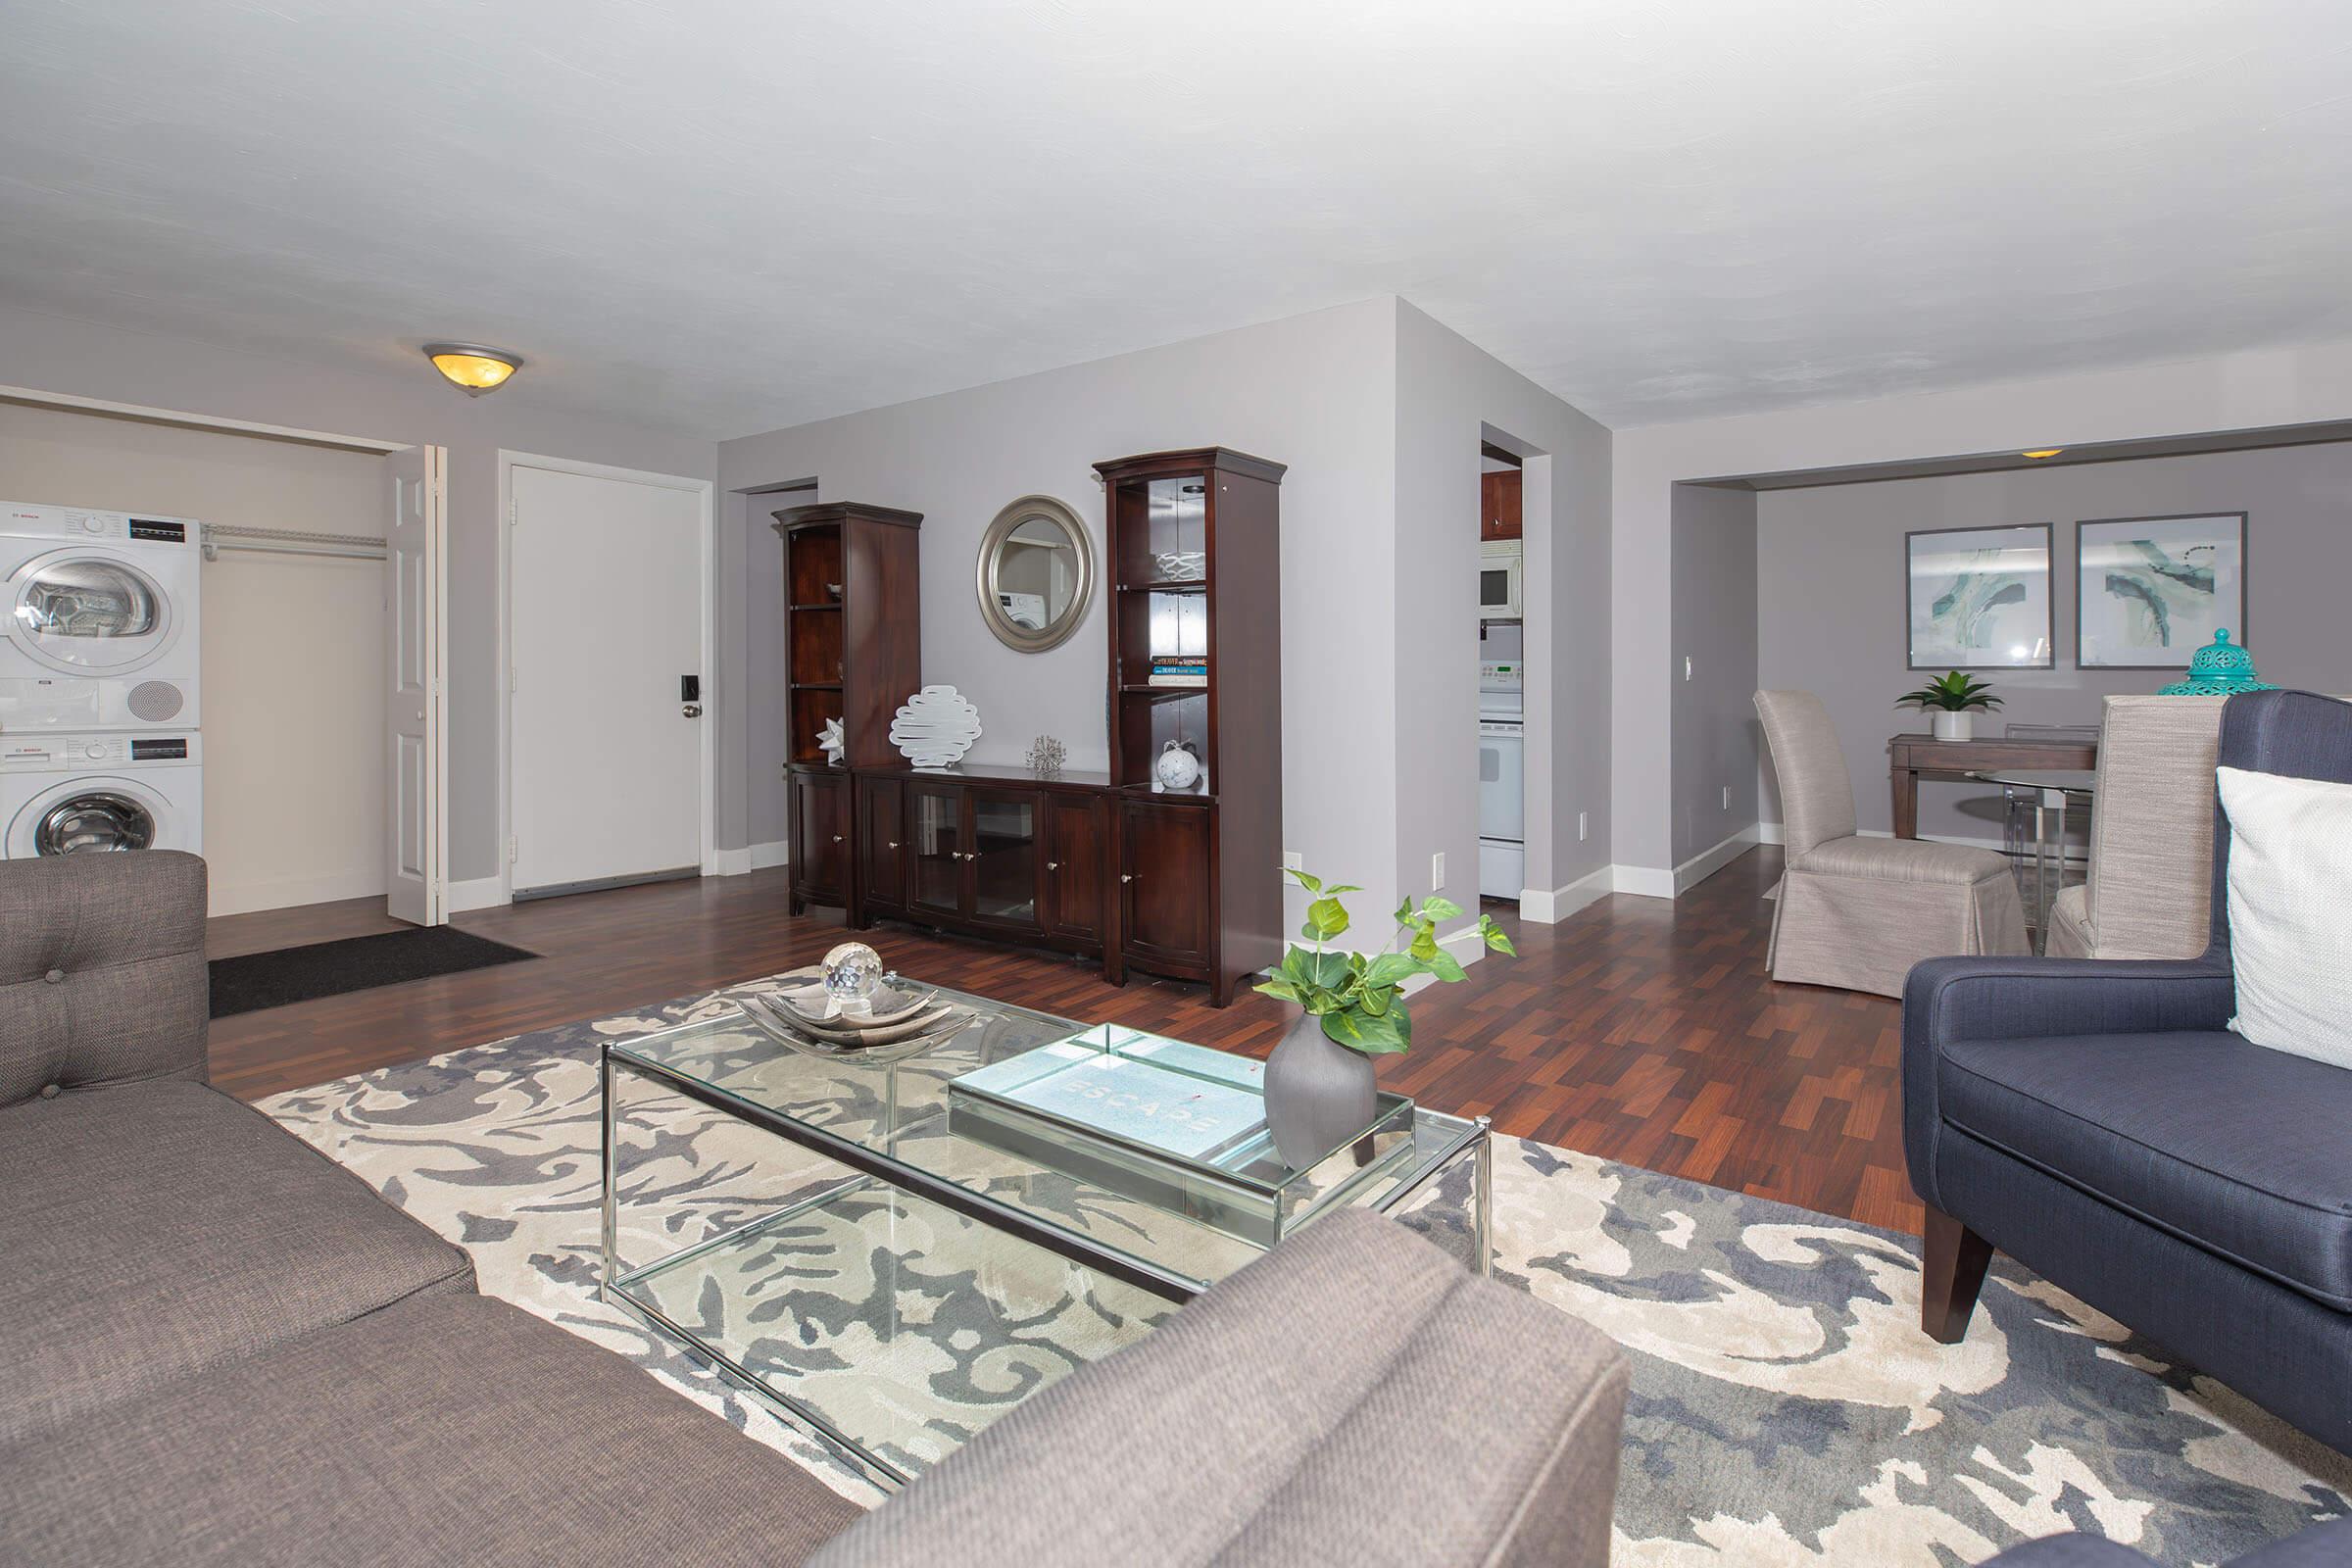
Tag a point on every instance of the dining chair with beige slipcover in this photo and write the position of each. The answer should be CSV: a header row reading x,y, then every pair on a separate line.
x,y
2150,894
1857,912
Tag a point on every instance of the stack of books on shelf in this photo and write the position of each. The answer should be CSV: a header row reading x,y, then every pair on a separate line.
x,y
1180,670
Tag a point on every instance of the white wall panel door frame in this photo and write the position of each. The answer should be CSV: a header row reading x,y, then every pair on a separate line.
x,y
592,761
416,701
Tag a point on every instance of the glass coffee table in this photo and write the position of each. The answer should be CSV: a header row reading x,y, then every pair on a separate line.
x,y
950,1233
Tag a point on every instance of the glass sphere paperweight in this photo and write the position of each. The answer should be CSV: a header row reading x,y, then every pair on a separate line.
x,y
851,972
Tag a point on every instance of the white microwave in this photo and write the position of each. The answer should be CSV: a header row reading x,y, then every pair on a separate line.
x,y
1499,567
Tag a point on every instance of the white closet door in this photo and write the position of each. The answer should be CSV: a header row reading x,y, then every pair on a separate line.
x,y
416,659
605,598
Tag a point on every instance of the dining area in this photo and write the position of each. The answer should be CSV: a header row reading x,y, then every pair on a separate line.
x,y
1856,909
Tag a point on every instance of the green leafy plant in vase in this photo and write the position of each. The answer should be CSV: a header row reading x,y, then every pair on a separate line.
x,y
1319,1084
1953,698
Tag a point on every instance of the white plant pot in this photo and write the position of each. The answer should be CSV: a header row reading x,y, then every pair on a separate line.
x,y
1955,726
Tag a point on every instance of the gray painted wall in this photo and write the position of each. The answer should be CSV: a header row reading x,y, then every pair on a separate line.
x,y
2258,389
1831,618
1316,392
85,358
1450,396
1715,611
1379,412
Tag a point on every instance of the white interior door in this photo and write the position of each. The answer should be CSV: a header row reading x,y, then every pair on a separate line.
x,y
416,661
605,619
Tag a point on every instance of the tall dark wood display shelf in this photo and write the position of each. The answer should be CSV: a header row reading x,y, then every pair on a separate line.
x,y
1184,882
853,652
1192,551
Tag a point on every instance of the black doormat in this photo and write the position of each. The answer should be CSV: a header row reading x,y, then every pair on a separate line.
x,y
257,980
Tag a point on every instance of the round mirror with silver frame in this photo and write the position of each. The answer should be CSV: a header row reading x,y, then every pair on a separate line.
x,y
1036,575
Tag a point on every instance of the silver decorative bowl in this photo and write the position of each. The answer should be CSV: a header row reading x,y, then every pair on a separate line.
x,y
933,1026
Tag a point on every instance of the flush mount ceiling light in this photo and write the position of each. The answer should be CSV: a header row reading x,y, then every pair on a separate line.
x,y
2042,452
476,369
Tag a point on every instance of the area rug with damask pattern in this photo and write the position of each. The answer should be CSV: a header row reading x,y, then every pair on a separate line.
x,y
1786,1409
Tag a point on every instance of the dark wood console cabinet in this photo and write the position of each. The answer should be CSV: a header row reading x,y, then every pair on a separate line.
x,y
1185,882
988,852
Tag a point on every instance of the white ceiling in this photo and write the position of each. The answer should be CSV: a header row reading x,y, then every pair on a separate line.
x,y
725,216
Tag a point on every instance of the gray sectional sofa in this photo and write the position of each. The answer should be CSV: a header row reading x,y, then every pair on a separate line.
x,y
221,1347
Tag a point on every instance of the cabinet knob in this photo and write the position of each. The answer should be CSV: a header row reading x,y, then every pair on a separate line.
x,y
894,844
837,838
1125,876
1052,865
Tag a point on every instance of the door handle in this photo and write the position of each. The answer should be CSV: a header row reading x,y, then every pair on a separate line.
x,y
692,710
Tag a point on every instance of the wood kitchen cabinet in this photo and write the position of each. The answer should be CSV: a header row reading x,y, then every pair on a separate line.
x,y
820,837
1498,496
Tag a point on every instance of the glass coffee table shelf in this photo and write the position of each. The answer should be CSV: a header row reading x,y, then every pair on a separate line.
x,y
937,1246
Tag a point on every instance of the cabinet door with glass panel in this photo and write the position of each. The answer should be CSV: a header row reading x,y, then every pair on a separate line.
x,y
936,841
1003,832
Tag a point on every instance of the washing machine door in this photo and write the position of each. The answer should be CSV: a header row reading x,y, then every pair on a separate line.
x,y
89,612
91,819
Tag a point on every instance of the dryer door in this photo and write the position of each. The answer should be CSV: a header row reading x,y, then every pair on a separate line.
x,y
89,612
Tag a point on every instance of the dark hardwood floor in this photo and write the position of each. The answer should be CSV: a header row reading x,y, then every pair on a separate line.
x,y
1637,1030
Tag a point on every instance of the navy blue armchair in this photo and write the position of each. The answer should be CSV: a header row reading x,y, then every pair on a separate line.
x,y
2098,1123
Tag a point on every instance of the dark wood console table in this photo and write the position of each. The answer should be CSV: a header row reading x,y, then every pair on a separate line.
x,y
1911,757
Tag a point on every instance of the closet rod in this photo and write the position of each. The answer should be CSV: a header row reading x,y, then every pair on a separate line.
x,y
220,536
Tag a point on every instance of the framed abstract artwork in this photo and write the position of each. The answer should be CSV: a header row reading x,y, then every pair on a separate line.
x,y
1979,598
2149,592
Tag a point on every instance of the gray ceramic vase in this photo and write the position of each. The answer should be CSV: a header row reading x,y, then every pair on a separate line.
x,y
1319,1094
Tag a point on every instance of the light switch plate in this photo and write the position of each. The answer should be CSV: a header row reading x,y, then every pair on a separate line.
x,y
1581,827
1293,861
1437,871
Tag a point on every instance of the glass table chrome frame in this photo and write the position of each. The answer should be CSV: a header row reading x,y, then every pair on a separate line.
x,y
2049,831
869,1166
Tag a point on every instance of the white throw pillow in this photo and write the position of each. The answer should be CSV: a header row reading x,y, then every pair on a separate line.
x,y
2290,911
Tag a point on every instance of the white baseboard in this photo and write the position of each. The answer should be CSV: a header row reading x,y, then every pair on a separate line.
x,y
1642,881
480,893
287,893
1551,905
752,857
1466,945
1706,862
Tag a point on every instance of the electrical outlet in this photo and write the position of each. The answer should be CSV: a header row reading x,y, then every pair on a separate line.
x,y
1293,861
1581,827
1437,871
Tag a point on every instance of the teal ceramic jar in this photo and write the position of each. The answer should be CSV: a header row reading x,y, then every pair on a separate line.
x,y
2218,669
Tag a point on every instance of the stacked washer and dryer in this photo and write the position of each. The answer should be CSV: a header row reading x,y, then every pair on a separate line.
x,y
100,747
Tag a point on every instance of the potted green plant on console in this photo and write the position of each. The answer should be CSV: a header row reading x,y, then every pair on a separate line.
x,y
1953,698
1319,1085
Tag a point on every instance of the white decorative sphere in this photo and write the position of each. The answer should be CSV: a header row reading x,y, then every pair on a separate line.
x,y
1176,768
851,972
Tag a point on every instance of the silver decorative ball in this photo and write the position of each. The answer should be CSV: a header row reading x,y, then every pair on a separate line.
x,y
851,972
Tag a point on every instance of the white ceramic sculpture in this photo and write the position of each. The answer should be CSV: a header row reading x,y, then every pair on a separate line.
x,y
829,742
936,727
